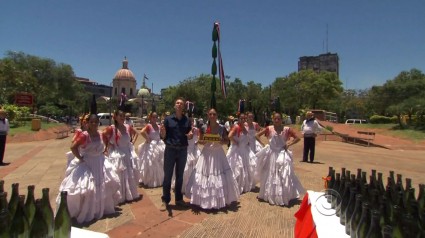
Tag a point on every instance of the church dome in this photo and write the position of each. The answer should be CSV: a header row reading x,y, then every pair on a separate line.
x,y
124,73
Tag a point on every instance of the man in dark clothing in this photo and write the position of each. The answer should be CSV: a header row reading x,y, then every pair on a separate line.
x,y
175,131
310,128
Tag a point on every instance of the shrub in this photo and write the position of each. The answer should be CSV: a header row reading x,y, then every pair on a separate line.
x,y
329,128
378,119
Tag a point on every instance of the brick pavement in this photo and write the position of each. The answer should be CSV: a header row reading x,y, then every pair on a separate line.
x,y
42,163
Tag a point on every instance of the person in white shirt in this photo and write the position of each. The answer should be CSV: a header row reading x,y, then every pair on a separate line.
x,y
310,128
4,129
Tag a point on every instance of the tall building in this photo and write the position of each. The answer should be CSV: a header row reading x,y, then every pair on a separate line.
x,y
124,82
325,62
94,88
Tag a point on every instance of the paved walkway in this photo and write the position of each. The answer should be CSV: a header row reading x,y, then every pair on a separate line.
x,y
42,163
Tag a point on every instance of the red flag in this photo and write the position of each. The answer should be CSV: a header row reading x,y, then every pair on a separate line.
x,y
220,64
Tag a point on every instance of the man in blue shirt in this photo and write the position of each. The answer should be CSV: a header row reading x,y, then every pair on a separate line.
x,y
175,131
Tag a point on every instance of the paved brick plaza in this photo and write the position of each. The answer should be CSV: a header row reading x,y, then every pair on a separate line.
x,y
42,163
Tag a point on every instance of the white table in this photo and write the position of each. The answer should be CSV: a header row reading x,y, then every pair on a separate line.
x,y
81,233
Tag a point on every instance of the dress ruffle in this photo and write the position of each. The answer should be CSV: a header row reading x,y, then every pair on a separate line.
x,y
91,187
278,182
150,163
211,184
243,162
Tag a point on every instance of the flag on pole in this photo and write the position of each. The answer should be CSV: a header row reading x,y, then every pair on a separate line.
x,y
220,64
145,77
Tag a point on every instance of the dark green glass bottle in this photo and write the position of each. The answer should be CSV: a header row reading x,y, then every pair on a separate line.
x,y
47,211
359,174
3,201
355,217
5,219
14,199
30,204
350,209
397,222
387,232
408,196
39,226
399,184
380,184
384,219
331,184
4,223
63,218
20,227
372,181
374,228
344,201
421,197
374,200
337,183
393,184
343,179
1,186
364,223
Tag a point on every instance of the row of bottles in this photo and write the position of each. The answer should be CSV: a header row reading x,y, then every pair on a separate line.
x,y
32,217
367,208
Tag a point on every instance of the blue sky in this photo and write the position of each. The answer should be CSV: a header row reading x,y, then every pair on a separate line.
x,y
170,41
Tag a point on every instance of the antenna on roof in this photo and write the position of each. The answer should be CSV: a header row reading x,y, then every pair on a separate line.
x,y
327,41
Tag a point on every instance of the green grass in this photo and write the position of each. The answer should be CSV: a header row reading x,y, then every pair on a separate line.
x,y
26,127
392,130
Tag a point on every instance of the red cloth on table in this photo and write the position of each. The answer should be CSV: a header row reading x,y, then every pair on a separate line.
x,y
305,226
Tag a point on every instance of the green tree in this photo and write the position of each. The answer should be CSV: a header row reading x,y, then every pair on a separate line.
x,y
48,81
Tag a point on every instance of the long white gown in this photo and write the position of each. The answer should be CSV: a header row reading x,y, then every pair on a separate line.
x,y
242,160
253,143
121,155
278,182
193,153
91,184
150,159
211,184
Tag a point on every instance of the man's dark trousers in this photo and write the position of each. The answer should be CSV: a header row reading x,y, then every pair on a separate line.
x,y
309,145
2,147
173,156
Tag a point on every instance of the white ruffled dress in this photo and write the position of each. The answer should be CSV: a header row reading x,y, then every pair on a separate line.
x,y
211,184
242,161
150,160
121,156
278,182
253,143
193,153
92,184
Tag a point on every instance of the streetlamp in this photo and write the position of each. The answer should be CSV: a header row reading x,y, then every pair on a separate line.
x,y
143,92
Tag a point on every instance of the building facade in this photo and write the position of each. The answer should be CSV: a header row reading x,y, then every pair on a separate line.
x,y
325,62
93,88
124,82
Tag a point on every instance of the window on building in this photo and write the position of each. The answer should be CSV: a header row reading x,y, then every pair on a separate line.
x,y
131,92
115,91
123,90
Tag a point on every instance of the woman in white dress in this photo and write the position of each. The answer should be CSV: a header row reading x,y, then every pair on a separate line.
x,y
89,179
193,153
211,184
150,159
120,151
278,182
240,156
253,129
